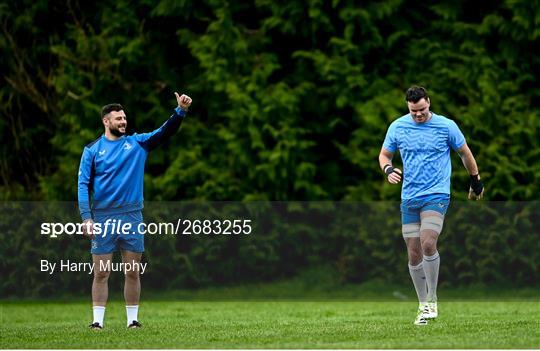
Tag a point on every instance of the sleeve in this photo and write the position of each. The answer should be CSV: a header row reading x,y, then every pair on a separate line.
x,y
390,142
151,140
455,136
85,183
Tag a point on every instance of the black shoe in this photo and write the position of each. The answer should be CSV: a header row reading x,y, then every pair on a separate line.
x,y
96,326
135,325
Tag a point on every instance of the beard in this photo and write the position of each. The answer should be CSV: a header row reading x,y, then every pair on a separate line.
x,y
423,117
116,132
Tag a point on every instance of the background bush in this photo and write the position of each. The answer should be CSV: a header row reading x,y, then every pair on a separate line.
x,y
483,243
291,102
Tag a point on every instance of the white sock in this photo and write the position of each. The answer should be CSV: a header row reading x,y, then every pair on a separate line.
x,y
99,314
132,312
431,267
419,280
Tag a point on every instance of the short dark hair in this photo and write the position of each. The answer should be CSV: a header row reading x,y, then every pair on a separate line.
x,y
105,110
415,93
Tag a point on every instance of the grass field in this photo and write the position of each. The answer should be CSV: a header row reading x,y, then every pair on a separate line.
x,y
273,324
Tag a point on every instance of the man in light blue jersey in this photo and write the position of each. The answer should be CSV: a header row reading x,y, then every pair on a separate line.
x,y
424,140
110,195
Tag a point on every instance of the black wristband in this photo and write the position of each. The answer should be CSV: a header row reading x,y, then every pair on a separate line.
x,y
476,184
388,169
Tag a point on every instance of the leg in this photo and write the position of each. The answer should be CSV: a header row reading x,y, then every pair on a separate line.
x,y
411,235
431,227
132,286
414,249
132,247
410,219
432,223
100,287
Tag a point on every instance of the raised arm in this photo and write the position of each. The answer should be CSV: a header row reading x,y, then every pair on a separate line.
x,y
150,140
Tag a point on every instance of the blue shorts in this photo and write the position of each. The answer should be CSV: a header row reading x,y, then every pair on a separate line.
x,y
112,239
410,209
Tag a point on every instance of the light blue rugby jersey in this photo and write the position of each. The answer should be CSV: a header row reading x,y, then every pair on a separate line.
x,y
425,152
114,170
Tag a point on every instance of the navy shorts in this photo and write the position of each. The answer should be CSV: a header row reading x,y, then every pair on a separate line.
x,y
410,209
112,239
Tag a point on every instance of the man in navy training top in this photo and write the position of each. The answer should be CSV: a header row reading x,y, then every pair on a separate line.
x,y
424,140
112,170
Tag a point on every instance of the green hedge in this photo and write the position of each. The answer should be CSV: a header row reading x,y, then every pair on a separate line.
x,y
492,244
291,100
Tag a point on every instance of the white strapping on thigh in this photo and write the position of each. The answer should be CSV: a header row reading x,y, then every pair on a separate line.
x,y
411,230
432,222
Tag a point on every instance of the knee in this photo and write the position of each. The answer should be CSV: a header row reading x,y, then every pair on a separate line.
x,y
132,275
429,246
102,276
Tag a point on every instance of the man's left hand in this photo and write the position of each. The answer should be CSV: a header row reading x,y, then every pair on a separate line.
x,y
183,100
476,190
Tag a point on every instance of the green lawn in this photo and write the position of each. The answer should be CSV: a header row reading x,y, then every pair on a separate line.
x,y
273,324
